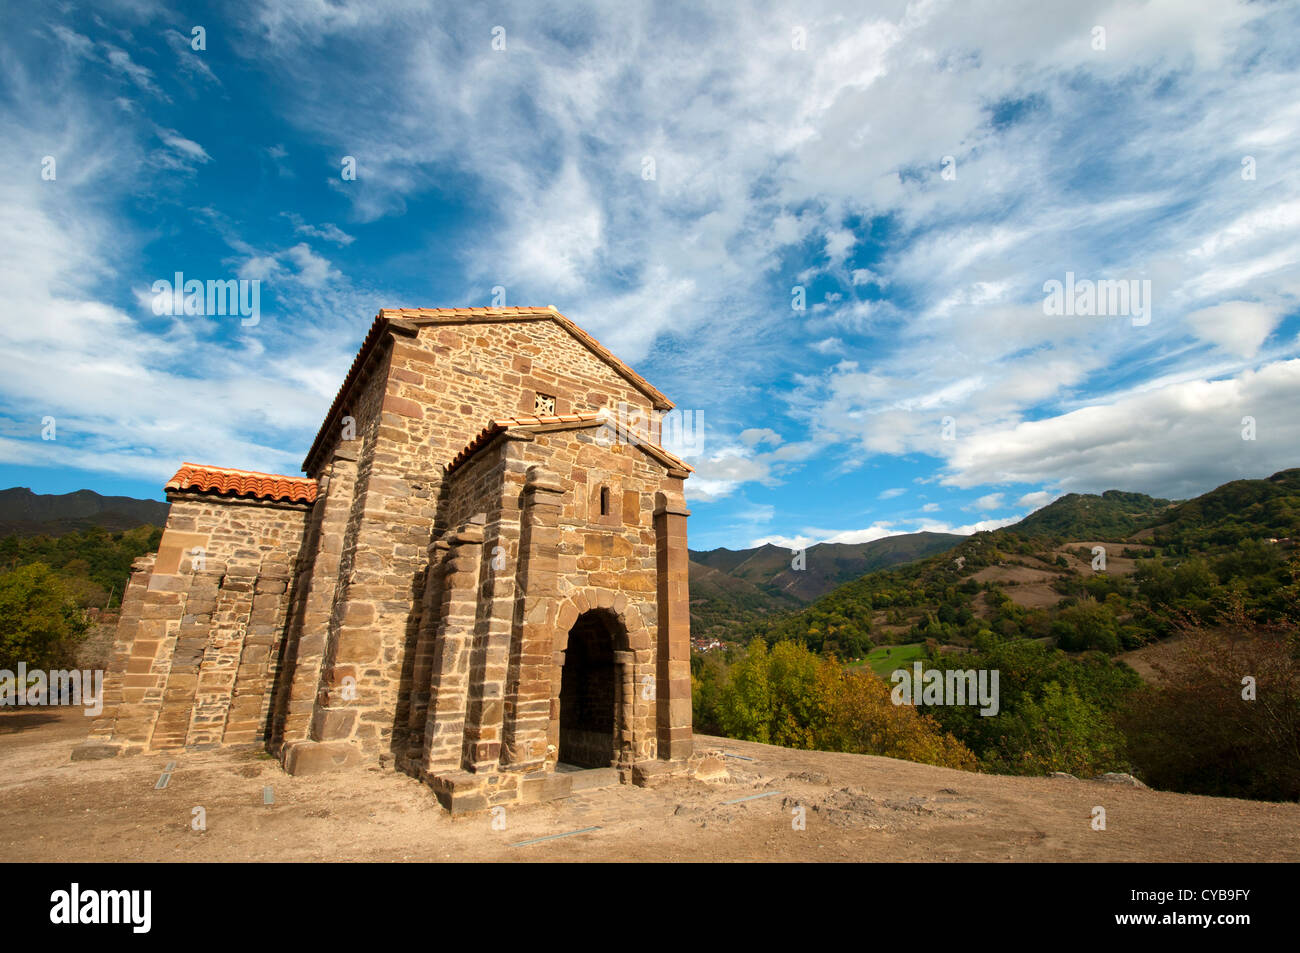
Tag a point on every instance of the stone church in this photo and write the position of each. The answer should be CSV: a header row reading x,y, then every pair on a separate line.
x,y
481,580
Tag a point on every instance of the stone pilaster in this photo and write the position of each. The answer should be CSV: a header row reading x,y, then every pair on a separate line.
x,y
528,699
109,731
673,685
417,711
305,651
212,693
490,656
148,671
626,700
192,639
249,705
444,732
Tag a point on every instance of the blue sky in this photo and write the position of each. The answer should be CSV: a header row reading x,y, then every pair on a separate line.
x,y
795,146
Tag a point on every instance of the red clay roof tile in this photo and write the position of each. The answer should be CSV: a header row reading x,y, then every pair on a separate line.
x,y
243,483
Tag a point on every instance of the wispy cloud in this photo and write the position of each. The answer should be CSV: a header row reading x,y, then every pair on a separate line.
x,y
676,182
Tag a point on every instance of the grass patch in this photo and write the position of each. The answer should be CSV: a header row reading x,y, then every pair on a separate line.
x,y
885,659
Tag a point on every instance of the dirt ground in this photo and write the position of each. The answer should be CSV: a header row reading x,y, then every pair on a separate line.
x,y
857,808
1027,587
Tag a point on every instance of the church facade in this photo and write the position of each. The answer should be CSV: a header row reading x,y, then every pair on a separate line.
x,y
482,576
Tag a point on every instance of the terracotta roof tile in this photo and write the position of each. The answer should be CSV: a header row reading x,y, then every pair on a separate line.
x,y
244,483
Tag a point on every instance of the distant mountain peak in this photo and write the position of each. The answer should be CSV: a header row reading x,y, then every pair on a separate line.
x,y
25,513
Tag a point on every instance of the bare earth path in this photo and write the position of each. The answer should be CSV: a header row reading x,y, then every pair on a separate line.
x,y
857,807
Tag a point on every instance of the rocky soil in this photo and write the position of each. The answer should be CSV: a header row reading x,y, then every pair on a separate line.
x,y
852,807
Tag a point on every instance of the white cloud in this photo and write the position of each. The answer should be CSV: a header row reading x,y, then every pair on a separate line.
x,y
1034,500
1239,327
1175,441
880,530
783,156
756,435
139,75
328,231
181,154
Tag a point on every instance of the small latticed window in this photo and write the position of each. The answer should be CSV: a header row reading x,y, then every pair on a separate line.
x,y
544,405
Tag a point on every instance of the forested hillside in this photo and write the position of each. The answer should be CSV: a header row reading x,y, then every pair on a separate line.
x,y
1051,603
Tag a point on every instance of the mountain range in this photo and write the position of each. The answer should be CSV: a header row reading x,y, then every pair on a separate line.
x,y
733,588
24,513
730,586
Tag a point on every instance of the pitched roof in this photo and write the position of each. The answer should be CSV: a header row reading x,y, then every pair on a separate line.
x,y
243,483
476,315
566,422
411,319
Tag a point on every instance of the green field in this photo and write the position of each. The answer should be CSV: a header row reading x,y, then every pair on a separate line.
x,y
885,659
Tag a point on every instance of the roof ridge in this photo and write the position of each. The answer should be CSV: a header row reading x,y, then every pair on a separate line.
x,y
388,316
216,469
510,309
604,416
204,478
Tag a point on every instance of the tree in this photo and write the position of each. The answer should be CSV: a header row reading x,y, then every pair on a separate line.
x,y
791,697
771,696
862,718
708,676
40,623
1198,731
1089,625
1061,731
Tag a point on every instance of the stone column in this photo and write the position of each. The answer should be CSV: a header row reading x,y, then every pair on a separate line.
x,y
629,744
528,699
673,685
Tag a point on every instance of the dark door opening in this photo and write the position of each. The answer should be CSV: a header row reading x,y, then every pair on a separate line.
x,y
587,683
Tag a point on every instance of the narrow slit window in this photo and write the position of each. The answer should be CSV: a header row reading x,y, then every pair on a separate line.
x,y
604,501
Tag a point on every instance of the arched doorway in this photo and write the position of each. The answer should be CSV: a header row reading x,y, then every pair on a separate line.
x,y
589,693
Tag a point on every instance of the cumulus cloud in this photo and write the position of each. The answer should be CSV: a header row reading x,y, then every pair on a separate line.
x,y
1175,441
1239,327
1034,500
785,168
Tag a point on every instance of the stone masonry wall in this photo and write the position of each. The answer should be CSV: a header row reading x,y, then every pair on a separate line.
x,y
200,631
441,384
615,557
